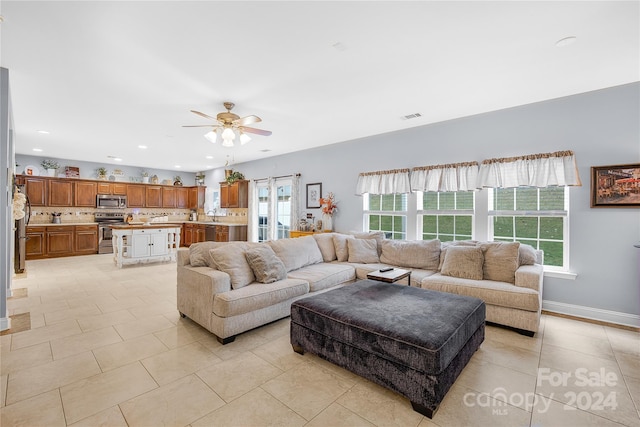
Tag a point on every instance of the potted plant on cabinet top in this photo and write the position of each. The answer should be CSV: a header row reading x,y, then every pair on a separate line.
x,y
234,176
145,176
102,173
51,166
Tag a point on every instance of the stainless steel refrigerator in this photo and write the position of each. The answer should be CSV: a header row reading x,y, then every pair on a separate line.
x,y
20,257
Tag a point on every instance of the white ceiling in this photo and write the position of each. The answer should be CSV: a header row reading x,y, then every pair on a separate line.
x,y
105,77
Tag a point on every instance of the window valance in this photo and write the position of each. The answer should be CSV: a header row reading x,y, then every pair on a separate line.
x,y
395,181
535,170
449,177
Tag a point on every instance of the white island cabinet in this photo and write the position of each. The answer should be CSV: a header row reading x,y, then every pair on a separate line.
x,y
134,244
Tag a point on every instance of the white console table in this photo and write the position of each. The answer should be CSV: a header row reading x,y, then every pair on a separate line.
x,y
135,244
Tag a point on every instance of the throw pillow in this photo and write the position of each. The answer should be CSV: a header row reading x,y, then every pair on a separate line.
x,y
464,262
199,254
340,245
500,261
527,255
446,245
364,251
298,252
266,266
231,260
377,235
325,243
424,254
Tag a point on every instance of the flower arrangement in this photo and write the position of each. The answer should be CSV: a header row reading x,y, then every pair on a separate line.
x,y
50,164
234,176
144,173
329,205
102,171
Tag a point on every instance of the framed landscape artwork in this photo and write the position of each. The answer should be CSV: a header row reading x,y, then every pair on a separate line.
x,y
616,186
314,192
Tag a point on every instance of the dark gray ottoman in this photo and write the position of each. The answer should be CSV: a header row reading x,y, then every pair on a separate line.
x,y
410,340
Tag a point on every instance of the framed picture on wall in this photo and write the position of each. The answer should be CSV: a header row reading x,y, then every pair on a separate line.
x,y
314,192
616,186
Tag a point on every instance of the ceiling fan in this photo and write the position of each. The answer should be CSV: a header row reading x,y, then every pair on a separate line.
x,y
229,125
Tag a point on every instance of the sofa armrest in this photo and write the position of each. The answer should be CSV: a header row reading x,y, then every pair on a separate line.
x,y
196,289
183,257
530,276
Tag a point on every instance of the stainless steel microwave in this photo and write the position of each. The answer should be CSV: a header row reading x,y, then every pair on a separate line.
x,y
106,201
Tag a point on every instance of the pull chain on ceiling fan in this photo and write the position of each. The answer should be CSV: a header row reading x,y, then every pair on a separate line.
x,y
229,125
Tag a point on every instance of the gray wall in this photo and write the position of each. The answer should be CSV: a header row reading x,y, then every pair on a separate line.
x,y
6,198
601,127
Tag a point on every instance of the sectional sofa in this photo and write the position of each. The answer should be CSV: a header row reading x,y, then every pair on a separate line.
x,y
230,288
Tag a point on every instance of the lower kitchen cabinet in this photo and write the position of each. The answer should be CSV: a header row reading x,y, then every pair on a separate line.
x,y
133,245
193,233
61,241
231,233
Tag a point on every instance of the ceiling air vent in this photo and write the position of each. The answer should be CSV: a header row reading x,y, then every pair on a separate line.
x,y
412,116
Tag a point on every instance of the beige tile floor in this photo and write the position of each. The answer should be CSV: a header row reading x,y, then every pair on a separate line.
x,y
108,348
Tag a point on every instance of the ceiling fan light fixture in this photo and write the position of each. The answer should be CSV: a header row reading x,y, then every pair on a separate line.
x,y
227,143
244,138
211,136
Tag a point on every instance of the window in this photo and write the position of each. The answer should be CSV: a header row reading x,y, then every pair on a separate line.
x,y
535,216
274,216
446,215
386,213
263,211
283,209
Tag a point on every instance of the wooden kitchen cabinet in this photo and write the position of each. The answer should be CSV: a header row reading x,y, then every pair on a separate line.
x,y
192,233
196,197
112,188
36,190
86,239
136,195
85,194
60,193
36,246
59,241
234,195
168,197
226,233
182,197
153,196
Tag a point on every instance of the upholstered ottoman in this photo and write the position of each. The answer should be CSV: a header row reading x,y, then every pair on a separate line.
x,y
410,340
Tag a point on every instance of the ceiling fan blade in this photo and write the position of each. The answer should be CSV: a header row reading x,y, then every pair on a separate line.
x,y
203,115
247,120
200,126
257,131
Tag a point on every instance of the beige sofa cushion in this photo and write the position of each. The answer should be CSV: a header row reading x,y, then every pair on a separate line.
x,y
325,244
500,261
264,263
340,245
231,260
298,252
464,262
526,255
324,276
491,292
424,254
445,245
256,296
199,254
363,250
378,236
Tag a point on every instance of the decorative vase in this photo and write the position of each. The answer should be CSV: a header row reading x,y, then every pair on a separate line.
x,y
145,179
51,172
327,222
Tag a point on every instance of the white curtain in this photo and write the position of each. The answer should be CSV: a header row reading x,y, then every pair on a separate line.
x,y
451,177
384,182
295,203
271,209
252,229
537,170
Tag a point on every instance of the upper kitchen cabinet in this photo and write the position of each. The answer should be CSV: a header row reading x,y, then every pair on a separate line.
x,y
182,197
136,195
113,188
196,197
153,195
85,194
36,190
168,197
234,195
60,192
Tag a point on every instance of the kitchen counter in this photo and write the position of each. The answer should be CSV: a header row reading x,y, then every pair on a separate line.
x,y
147,226
49,224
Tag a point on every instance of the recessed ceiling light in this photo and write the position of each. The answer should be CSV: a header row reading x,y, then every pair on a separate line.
x,y
37,149
208,157
117,159
142,147
44,132
566,41
177,166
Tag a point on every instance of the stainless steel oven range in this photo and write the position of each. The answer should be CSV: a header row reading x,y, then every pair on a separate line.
x,y
104,219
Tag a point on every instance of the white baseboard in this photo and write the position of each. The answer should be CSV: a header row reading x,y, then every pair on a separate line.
x,y
5,323
592,313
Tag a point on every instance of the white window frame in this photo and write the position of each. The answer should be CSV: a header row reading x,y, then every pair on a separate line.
x,y
275,213
564,214
443,212
366,214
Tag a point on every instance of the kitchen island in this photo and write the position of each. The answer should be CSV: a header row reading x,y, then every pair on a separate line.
x,y
135,244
